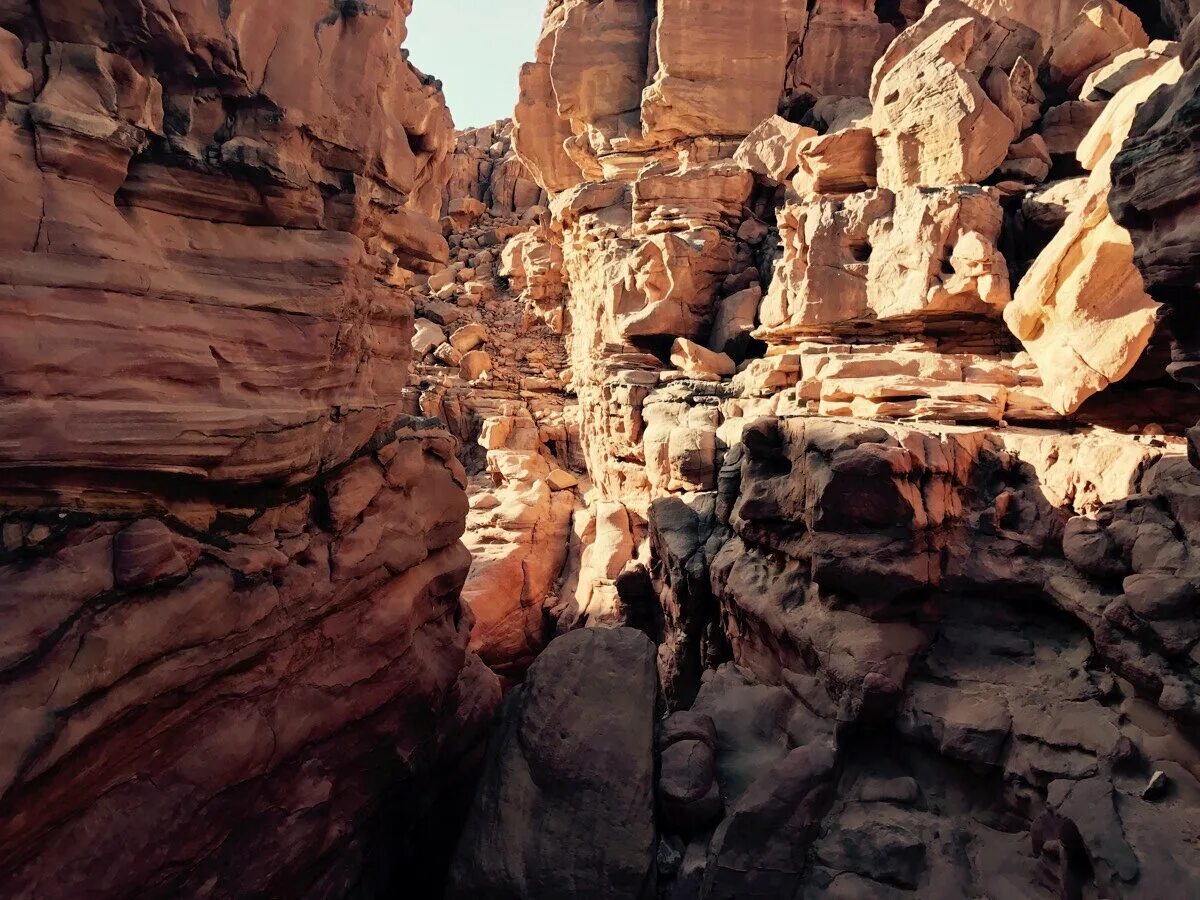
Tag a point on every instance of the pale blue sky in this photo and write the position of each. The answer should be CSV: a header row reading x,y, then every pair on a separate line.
x,y
476,48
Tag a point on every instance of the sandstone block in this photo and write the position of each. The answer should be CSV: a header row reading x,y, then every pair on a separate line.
x,y
737,315
953,134
772,149
475,365
699,362
469,337
426,336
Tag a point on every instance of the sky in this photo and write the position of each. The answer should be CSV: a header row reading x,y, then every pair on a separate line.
x,y
476,48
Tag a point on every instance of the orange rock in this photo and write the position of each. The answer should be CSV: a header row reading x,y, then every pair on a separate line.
x,y
1082,311
953,134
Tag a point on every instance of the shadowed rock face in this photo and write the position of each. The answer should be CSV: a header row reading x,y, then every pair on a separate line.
x,y
566,804
230,626
1155,179
932,664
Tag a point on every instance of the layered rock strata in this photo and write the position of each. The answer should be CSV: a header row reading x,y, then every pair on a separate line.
x,y
233,642
1153,196
874,385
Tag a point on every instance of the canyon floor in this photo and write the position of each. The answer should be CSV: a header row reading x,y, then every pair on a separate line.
x,y
764,467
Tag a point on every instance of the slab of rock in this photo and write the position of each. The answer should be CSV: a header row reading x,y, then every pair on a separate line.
x,y
840,162
951,134
566,802
518,544
698,361
835,47
1103,83
999,41
758,850
464,212
772,149
562,480
1082,310
1047,19
469,337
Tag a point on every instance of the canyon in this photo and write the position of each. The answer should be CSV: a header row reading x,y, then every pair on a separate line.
x,y
766,466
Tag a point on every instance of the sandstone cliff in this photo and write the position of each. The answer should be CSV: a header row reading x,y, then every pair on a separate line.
x,y
230,622
875,399
843,349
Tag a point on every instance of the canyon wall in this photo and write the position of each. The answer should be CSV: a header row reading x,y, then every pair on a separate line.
x,y
789,409
878,330
232,647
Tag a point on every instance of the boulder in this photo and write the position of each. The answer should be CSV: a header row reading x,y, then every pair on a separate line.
x,y
688,793
469,337
475,365
426,336
772,149
736,317
1102,31
1082,310
1065,126
949,134
840,162
698,361
567,796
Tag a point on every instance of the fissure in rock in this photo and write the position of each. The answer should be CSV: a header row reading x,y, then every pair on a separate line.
x,y
765,466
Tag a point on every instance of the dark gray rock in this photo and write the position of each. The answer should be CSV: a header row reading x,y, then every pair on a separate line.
x,y
565,807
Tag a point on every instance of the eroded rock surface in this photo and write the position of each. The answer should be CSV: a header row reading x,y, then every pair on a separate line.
x,y
234,651
804,368
872,390
566,805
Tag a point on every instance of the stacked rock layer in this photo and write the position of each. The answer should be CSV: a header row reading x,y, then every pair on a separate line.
x,y
231,635
872,313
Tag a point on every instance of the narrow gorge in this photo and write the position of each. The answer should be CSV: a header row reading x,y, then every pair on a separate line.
x,y
765,466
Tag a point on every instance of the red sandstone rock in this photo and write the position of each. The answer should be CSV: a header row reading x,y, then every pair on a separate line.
x,y
233,564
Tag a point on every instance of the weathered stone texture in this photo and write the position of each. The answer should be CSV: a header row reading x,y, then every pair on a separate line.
x,y
231,562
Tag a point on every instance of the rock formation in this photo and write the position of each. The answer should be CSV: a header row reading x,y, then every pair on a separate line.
x,y
234,653
1153,195
788,411
566,804
871,391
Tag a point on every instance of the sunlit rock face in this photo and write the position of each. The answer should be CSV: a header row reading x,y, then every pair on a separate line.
x,y
1152,197
869,311
232,634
